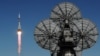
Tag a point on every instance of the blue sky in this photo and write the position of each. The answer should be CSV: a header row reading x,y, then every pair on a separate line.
x,y
32,12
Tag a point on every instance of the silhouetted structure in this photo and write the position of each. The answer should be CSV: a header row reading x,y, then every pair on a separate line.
x,y
66,33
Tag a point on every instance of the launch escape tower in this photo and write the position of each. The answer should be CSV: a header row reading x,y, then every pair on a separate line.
x,y
66,33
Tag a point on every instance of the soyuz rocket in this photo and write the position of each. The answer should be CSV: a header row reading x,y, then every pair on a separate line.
x,y
19,24
19,33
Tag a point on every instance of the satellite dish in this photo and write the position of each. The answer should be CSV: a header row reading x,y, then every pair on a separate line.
x,y
88,34
46,34
65,10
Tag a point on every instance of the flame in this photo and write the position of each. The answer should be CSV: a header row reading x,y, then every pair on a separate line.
x,y
19,42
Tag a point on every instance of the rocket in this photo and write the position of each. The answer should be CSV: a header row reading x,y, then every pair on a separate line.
x,y
19,33
19,24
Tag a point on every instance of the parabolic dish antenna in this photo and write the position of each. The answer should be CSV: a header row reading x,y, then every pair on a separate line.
x,y
46,34
64,11
88,34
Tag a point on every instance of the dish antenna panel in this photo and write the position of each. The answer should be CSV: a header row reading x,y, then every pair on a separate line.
x,y
65,11
46,34
87,33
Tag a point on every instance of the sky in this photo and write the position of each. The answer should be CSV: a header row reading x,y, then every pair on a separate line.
x,y
32,12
